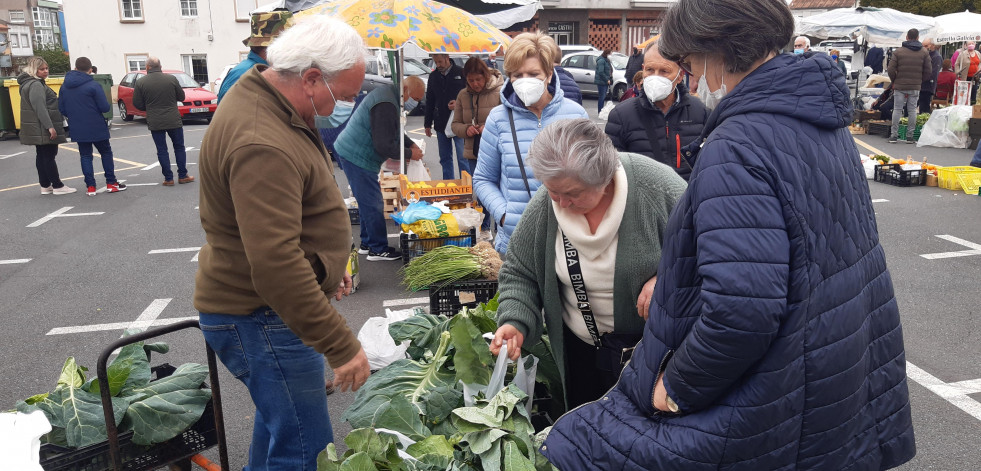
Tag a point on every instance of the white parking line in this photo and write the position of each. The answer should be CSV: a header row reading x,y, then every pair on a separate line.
x,y
183,249
974,249
147,319
405,302
63,212
15,261
5,157
956,395
880,201
151,166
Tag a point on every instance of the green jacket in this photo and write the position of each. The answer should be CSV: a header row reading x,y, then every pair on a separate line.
x,y
39,112
528,283
604,71
158,94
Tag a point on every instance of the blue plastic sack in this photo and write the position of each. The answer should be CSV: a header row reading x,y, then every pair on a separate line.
x,y
419,211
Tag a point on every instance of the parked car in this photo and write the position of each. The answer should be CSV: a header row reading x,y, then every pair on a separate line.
x,y
221,76
376,76
574,48
199,103
843,45
582,66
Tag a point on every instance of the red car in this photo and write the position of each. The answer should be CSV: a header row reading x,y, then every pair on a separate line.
x,y
198,102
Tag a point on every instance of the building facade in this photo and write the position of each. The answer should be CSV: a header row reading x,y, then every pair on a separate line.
x,y
617,25
200,37
25,25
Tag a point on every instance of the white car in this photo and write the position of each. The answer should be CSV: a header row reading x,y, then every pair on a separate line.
x,y
582,66
221,76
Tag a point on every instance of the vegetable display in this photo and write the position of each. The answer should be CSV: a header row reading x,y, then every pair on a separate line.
x,y
449,264
420,399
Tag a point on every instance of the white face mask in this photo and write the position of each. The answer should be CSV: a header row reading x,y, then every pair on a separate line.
x,y
657,87
529,90
709,98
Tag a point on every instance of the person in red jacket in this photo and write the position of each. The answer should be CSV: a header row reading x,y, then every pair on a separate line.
x,y
945,82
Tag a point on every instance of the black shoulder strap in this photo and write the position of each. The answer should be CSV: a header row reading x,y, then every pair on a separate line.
x,y
517,152
579,287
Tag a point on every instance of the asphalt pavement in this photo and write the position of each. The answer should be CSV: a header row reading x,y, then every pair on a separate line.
x,y
76,270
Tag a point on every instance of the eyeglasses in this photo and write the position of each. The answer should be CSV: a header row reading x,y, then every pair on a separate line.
x,y
684,64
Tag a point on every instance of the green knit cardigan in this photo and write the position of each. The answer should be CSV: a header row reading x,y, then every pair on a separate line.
x,y
528,284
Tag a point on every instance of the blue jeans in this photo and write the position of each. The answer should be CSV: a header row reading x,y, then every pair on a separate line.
x,y
601,91
105,151
177,138
446,145
904,99
285,379
364,187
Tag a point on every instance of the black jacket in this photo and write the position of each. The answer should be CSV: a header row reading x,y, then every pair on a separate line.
x,y
158,94
440,91
634,64
874,59
685,119
570,89
930,86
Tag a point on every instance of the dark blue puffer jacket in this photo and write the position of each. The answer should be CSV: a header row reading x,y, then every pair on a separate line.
x,y
82,101
774,319
567,82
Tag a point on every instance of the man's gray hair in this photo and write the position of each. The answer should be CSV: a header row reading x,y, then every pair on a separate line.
x,y
807,40
652,45
152,63
321,42
575,148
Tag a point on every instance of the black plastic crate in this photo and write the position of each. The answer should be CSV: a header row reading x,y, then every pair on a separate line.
x,y
893,174
355,216
879,129
412,246
449,299
201,436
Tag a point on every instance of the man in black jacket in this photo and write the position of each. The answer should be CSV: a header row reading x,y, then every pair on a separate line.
x,y
634,64
663,119
874,59
158,94
444,85
929,87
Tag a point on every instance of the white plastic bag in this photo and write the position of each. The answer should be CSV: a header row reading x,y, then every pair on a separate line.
x,y
604,114
467,218
947,127
378,344
417,172
524,379
20,440
870,168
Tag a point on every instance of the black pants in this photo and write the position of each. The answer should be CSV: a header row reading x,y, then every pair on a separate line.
x,y
924,103
584,381
47,169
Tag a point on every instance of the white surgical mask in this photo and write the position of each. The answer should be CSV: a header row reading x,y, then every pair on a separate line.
x,y
709,98
529,90
657,87
410,104
329,121
342,112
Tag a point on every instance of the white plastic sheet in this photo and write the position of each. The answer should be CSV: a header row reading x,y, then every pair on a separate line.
x,y
947,127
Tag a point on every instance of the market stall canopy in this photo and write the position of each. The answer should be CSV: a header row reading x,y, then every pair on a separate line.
x,y
498,13
881,26
433,26
958,27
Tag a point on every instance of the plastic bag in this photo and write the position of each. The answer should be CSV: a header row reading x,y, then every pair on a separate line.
x,y
417,171
468,218
378,345
947,127
417,211
524,379
443,226
604,114
20,439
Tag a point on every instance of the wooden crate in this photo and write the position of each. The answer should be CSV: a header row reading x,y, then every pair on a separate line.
x,y
461,190
390,193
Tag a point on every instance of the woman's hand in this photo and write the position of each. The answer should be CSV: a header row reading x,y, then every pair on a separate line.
x,y
53,133
472,131
512,336
644,300
660,400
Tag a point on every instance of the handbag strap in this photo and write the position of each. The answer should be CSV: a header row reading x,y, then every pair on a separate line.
x,y
579,287
517,152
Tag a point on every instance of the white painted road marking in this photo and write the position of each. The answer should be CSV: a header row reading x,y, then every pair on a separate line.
x,y
974,249
405,302
954,393
183,249
142,184
61,213
147,319
5,157
150,314
880,201
14,261
151,166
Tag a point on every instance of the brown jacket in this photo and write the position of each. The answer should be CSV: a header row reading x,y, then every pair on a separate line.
x,y
463,115
910,67
278,233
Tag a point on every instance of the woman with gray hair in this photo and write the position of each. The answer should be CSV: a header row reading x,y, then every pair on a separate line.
x,y
42,124
774,339
586,252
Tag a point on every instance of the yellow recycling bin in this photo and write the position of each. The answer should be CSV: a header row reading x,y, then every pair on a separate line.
x,y
13,88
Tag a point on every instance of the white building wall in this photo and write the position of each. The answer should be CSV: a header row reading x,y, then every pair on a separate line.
x,y
95,31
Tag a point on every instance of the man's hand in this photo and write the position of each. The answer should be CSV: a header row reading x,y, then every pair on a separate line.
x,y
472,131
514,339
52,133
353,374
416,153
644,300
660,401
452,104
345,288
429,132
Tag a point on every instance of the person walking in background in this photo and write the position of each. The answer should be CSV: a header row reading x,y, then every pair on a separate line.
x,y
929,87
158,94
874,59
444,85
473,104
82,101
603,78
635,63
967,65
264,28
41,124
909,67
278,240
570,89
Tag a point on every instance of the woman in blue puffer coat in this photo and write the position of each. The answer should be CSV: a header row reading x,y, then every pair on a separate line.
x,y
773,340
530,100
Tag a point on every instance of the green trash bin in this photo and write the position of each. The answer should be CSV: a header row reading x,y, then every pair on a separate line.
x,y
106,81
7,123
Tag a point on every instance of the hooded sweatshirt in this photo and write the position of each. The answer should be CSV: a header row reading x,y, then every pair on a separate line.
x,y
83,101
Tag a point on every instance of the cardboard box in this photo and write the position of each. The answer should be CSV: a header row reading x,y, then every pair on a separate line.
x,y
977,112
461,190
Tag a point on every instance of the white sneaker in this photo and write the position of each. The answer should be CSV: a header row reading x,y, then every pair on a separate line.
x,y
47,190
65,190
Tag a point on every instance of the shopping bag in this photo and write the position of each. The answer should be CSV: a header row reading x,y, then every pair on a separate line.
x,y
378,344
947,127
604,114
524,378
416,171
